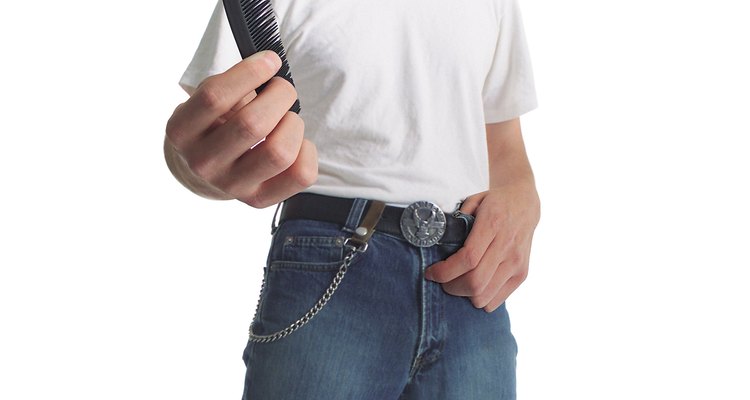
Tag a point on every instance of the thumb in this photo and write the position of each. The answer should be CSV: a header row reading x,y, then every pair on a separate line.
x,y
471,203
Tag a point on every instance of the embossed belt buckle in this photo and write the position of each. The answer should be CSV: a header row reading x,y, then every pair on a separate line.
x,y
423,223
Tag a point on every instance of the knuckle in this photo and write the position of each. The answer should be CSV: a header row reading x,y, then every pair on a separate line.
x,y
475,285
201,167
251,126
496,223
437,275
175,127
231,186
477,302
279,156
471,257
285,86
298,124
305,173
174,131
256,200
305,177
515,257
522,275
252,201
210,96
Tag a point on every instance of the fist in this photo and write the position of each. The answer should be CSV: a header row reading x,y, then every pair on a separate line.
x,y
246,145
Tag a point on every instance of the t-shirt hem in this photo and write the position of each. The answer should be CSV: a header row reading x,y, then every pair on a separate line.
x,y
515,112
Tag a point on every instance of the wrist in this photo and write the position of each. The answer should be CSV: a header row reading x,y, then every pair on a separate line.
x,y
181,171
523,192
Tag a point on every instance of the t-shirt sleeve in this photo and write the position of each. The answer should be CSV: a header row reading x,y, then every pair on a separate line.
x,y
216,52
509,89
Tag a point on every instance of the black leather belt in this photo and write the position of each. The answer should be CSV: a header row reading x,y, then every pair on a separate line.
x,y
336,209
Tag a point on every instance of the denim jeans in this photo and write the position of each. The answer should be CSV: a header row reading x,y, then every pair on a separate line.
x,y
386,333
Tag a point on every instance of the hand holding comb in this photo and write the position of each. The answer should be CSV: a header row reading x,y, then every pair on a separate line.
x,y
254,28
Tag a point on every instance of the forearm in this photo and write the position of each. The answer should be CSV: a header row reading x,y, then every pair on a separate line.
x,y
508,162
494,260
182,173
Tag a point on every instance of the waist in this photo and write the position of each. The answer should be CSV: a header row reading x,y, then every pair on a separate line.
x,y
421,223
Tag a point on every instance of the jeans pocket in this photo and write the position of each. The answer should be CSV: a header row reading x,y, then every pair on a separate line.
x,y
309,253
304,258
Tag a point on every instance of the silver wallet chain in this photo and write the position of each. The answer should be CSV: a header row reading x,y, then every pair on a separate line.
x,y
356,244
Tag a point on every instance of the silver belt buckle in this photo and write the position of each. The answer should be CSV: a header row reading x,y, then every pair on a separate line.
x,y
423,223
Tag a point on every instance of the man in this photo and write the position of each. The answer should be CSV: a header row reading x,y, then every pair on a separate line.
x,y
394,96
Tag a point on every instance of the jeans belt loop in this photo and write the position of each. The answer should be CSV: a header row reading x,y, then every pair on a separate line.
x,y
355,214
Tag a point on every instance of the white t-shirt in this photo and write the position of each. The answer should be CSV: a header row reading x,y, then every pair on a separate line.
x,y
395,94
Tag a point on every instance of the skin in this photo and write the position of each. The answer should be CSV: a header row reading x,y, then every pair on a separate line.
x,y
225,142
494,260
213,140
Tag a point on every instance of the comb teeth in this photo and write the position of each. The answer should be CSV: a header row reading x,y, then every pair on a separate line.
x,y
254,27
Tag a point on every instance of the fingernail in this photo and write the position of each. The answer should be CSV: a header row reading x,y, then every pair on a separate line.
x,y
273,59
428,276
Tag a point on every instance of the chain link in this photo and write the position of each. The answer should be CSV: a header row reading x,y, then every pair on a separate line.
x,y
314,310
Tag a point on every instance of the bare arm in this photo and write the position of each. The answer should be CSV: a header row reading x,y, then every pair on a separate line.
x,y
494,260
508,161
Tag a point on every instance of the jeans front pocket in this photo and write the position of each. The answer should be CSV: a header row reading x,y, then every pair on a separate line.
x,y
304,258
309,253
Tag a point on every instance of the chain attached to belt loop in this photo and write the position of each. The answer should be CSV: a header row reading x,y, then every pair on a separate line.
x,y
356,244
274,226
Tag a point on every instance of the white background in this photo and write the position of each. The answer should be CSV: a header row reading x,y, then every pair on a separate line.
x,y
117,283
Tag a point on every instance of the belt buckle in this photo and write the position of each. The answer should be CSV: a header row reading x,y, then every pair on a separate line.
x,y
423,223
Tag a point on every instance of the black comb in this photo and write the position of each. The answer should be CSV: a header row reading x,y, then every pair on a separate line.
x,y
254,27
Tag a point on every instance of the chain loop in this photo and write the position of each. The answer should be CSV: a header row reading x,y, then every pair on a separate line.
x,y
314,310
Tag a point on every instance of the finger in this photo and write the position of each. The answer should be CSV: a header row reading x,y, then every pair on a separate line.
x,y
477,281
242,103
502,275
269,158
218,93
302,174
502,295
215,153
518,262
170,123
468,256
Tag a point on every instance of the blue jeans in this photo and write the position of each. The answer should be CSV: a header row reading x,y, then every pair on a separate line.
x,y
386,333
